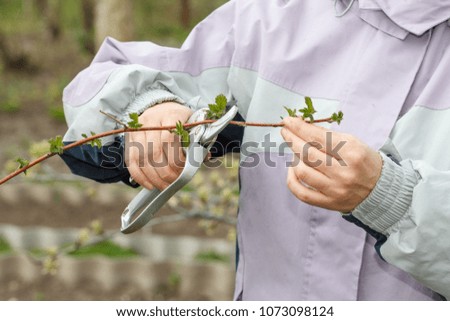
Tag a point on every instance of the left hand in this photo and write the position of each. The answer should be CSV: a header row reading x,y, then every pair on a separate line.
x,y
331,170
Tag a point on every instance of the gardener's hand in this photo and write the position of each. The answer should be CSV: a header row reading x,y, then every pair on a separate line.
x,y
331,170
155,158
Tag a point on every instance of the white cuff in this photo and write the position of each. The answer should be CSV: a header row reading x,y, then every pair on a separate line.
x,y
390,199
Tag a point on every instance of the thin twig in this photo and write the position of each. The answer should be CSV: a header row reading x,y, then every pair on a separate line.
x,y
114,118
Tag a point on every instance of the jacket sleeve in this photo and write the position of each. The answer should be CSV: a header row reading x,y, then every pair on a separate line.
x,y
129,77
408,211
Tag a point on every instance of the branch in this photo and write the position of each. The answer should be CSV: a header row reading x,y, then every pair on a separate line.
x,y
127,130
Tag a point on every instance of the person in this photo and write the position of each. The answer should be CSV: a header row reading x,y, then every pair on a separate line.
x,y
363,212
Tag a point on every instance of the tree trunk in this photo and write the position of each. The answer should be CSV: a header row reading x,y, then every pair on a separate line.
x,y
17,61
88,11
113,18
185,13
50,11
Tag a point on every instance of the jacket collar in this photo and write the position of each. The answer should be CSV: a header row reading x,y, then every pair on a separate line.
x,y
411,16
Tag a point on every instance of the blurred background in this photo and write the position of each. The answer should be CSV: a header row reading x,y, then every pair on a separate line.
x,y
59,234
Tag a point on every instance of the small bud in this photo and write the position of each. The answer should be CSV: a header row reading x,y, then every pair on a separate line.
x,y
218,211
231,236
186,199
97,227
173,202
227,194
51,251
221,183
203,194
198,180
50,266
38,149
83,236
214,177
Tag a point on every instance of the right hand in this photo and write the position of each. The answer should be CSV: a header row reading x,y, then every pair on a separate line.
x,y
155,158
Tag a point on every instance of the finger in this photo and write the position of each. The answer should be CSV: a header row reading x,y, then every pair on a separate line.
x,y
173,152
303,193
135,158
311,177
325,139
307,153
139,177
157,169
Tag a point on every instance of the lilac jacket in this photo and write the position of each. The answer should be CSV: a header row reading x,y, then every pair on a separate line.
x,y
384,63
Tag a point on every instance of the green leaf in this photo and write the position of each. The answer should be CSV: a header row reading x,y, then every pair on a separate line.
x,y
56,145
22,163
218,109
134,123
337,117
95,142
183,133
185,139
308,111
291,112
309,103
221,101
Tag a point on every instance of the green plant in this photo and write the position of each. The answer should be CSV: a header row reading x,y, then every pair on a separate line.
x,y
134,123
105,248
218,109
337,117
10,101
5,248
91,241
212,256
10,106
22,163
57,112
183,133
56,145
308,112
95,142
174,280
39,296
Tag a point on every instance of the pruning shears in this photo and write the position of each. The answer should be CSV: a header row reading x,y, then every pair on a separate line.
x,y
146,203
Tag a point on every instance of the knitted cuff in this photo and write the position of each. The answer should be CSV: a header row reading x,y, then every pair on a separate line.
x,y
149,99
391,198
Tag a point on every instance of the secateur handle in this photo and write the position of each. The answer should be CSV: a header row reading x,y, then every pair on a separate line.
x,y
146,203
